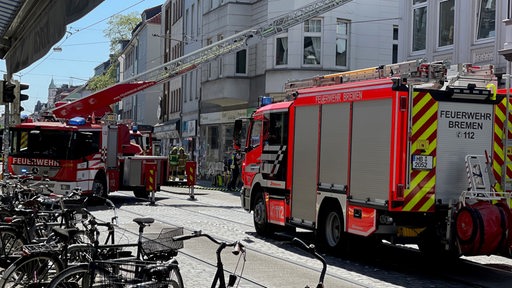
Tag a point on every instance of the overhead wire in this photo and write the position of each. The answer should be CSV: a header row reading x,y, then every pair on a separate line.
x,y
69,34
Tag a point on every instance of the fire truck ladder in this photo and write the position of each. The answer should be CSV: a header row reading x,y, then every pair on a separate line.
x,y
87,105
415,71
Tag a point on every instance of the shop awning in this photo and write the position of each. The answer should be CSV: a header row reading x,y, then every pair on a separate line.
x,y
29,28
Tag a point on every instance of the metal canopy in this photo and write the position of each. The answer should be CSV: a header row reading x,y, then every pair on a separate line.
x,y
29,28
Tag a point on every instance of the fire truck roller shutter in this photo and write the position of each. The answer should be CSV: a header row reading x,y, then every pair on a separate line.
x,y
482,229
305,161
371,146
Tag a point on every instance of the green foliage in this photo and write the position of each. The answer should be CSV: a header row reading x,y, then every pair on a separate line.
x,y
120,28
103,81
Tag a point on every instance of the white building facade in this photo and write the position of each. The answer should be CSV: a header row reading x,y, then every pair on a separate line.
x,y
456,31
141,54
356,35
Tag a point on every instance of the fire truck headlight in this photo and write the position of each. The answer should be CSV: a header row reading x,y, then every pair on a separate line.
x,y
386,219
65,187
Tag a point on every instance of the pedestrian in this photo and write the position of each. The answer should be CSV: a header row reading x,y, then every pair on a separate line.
x,y
236,164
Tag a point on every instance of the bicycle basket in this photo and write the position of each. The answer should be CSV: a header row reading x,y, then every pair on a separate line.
x,y
130,273
164,241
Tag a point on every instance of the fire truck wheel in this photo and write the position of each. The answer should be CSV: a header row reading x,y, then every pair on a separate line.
x,y
259,216
99,187
330,231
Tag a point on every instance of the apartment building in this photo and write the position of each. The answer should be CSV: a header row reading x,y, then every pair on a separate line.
x,y
140,54
456,31
356,35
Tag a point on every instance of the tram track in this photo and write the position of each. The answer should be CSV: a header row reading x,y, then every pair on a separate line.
x,y
253,250
287,255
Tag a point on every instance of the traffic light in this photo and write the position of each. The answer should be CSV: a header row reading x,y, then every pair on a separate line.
x,y
18,95
8,91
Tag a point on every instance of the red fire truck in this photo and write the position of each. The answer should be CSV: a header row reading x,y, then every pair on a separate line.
x,y
406,153
98,157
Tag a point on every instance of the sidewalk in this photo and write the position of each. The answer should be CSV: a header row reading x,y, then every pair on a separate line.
x,y
206,185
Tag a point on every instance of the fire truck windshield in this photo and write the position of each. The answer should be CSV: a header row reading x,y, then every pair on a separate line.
x,y
53,144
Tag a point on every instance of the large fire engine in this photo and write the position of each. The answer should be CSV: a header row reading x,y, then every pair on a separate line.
x,y
407,153
97,156
78,150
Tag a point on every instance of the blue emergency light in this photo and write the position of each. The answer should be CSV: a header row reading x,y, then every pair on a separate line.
x,y
76,121
265,100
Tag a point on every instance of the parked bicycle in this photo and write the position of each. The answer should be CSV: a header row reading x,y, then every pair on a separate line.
x,y
219,280
31,221
40,262
153,266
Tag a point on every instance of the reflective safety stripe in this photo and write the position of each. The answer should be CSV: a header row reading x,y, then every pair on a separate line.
x,y
498,145
420,197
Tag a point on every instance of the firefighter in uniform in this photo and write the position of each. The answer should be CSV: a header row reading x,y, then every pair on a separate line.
x,y
182,160
173,162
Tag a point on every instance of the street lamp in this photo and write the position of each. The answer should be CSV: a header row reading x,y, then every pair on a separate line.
x,y
169,38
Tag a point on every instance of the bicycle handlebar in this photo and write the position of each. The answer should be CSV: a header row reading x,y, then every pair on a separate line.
x,y
312,250
239,247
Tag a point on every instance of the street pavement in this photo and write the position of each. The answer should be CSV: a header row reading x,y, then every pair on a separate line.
x,y
270,262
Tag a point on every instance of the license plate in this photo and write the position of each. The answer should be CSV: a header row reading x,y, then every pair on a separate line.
x,y
422,162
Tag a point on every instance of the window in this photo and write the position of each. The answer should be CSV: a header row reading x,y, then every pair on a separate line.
x,y
241,62
509,11
446,20
209,41
255,134
220,61
486,19
341,42
275,128
282,51
191,20
198,32
213,137
419,25
394,56
312,41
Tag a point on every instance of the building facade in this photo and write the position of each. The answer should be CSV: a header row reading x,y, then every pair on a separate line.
x,y
171,100
191,81
455,31
197,110
356,35
142,53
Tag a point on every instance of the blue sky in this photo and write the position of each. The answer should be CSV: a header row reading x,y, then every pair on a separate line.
x,y
83,48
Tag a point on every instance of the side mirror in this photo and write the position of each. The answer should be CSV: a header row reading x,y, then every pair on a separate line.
x,y
237,133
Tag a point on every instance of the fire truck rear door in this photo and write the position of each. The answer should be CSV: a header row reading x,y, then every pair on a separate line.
x,y
305,159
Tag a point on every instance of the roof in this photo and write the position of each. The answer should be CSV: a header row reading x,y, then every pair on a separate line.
x,y
28,28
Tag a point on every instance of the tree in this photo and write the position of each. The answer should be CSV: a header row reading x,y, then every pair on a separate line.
x,y
119,29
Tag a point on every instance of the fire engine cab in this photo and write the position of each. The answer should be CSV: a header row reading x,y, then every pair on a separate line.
x,y
97,156
410,153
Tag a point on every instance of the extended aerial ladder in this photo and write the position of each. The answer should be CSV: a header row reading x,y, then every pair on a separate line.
x,y
415,71
87,105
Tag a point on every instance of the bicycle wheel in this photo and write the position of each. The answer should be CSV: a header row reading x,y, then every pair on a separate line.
x,y
155,279
34,270
174,280
81,276
10,241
